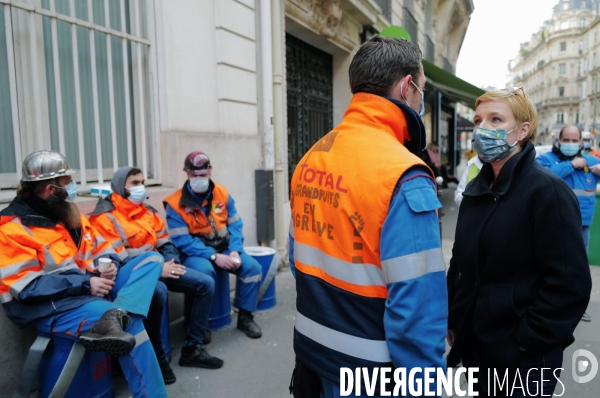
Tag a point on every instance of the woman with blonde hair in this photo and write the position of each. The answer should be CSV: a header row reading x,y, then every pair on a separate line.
x,y
519,280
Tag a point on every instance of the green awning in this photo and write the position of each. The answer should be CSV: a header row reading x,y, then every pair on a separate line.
x,y
451,86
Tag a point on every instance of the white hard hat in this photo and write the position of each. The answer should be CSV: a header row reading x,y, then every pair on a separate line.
x,y
586,135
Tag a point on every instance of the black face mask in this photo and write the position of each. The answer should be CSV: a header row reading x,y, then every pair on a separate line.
x,y
415,126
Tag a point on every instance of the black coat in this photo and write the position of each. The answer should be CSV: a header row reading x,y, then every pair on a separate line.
x,y
519,275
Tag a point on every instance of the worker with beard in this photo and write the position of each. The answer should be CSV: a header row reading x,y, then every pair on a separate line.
x,y
50,275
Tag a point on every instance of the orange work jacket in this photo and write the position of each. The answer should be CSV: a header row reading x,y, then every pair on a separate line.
x,y
27,252
131,229
336,227
212,230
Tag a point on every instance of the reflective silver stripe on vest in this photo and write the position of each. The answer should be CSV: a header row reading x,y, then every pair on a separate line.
x,y
179,231
109,250
370,350
222,232
233,219
122,255
18,221
292,228
252,279
117,244
413,265
150,259
583,192
358,274
141,337
5,297
99,239
118,227
16,268
16,287
162,241
140,250
63,268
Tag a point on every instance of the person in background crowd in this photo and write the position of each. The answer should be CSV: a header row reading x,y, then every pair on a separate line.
x,y
474,165
581,173
516,303
587,147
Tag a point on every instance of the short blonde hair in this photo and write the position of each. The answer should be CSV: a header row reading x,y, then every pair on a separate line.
x,y
521,106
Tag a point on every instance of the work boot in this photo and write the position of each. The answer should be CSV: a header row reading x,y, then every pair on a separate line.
x,y
165,368
207,337
247,325
107,334
197,357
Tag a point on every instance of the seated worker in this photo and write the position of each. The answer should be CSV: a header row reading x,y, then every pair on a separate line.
x,y
133,229
49,255
205,227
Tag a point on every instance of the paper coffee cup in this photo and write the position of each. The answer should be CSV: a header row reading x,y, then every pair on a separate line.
x,y
103,264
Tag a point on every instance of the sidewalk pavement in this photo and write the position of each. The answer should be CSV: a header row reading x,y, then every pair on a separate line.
x,y
262,368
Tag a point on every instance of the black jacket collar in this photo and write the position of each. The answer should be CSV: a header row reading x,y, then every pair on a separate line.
x,y
103,205
512,168
20,208
415,126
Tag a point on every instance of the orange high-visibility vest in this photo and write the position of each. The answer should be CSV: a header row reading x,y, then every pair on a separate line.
x,y
211,227
28,252
131,229
334,216
340,196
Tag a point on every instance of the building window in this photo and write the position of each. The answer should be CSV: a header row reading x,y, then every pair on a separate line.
x,y
411,25
595,36
560,117
582,23
386,8
77,81
561,91
563,46
566,5
564,25
562,69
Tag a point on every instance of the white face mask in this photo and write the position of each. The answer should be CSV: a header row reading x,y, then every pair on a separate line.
x,y
199,184
137,194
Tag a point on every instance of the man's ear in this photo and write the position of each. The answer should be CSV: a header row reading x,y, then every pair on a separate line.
x,y
400,89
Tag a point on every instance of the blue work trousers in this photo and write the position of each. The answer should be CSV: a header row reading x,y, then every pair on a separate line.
x,y
136,282
199,289
249,274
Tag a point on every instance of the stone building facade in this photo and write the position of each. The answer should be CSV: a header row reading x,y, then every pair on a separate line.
x,y
556,67
253,83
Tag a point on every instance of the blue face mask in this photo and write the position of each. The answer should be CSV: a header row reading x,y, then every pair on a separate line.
x,y
569,149
586,145
71,189
492,145
137,194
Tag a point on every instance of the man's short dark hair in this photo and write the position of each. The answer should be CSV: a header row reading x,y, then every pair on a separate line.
x,y
381,62
569,125
133,172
